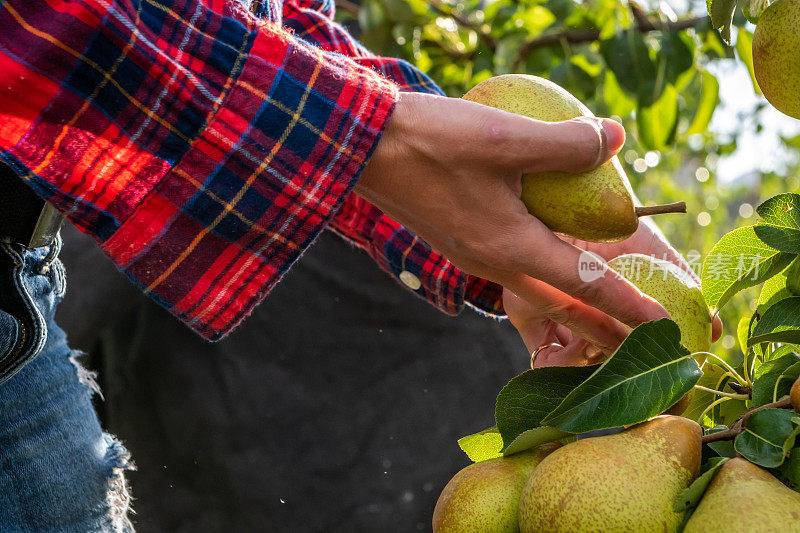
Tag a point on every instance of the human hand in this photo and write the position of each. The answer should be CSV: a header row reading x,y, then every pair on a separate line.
x,y
558,346
451,170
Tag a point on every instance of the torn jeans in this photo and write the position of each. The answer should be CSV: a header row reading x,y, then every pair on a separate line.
x,y
58,471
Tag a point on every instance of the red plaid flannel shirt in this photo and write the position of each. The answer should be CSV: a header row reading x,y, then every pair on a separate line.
x,y
206,143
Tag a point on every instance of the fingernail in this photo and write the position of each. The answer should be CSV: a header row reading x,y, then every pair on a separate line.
x,y
615,135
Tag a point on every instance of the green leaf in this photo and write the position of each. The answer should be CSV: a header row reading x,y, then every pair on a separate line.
x,y
789,471
531,396
752,9
743,333
744,47
775,289
534,437
721,13
691,496
649,372
677,54
768,437
775,379
618,102
780,227
727,412
628,56
709,99
658,123
738,261
723,448
575,79
780,323
486,444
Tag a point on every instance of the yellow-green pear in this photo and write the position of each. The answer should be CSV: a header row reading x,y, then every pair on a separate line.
x,y
794,395
592,206
624,482
744,498
484,496
676,291
775,45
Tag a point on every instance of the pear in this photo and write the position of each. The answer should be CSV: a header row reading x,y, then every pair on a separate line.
x,y
484,496
592,206
794,396
748,499
775,44
624,482
680,407
676,291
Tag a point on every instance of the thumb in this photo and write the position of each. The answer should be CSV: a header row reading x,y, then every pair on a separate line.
x,y
577,145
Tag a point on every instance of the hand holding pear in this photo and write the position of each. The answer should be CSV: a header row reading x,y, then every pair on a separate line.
x,y
596,205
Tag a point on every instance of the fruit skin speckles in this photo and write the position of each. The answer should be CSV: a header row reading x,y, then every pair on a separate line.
x,y
762,502
676,291
624,482
485,496
775,45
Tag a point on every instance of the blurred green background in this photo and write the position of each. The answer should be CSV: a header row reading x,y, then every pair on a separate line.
x,y
698,128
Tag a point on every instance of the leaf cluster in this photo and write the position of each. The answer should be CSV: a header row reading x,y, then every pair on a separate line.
x,y
744,406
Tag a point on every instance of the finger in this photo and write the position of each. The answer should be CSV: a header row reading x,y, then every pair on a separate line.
x,y
584,277
535,329
573,354
572,146
564,335
716,329
583,320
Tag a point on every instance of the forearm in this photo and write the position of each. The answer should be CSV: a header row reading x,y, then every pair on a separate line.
x,y
203,161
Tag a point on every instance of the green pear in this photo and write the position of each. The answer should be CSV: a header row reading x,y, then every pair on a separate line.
x,y
592,206
484,496
748,499
775,44
676,291
624,482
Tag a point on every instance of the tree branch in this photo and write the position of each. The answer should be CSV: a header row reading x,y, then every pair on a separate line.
x,y
464,22
350,7
591,35
738,426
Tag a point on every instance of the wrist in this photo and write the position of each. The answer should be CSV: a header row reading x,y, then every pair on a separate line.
x,y
394,146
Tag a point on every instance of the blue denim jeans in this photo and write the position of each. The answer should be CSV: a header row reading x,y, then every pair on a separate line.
x,y
58,471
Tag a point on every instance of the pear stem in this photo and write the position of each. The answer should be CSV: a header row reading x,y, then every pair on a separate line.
x,y
725,394
677,207
729,368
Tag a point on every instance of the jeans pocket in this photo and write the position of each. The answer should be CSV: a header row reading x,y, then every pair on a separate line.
x,y
22,325
9,334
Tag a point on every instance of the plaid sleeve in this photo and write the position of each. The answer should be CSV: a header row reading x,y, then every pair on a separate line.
x,y
203,148
398,251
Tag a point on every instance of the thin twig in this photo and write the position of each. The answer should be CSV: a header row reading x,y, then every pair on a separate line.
x,y
591,35
725,394
464,22
740,424
350,7
729,368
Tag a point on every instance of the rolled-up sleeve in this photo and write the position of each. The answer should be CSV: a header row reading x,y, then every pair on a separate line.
x,y
202,147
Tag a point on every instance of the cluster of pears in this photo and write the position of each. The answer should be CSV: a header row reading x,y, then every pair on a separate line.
x,y
594,206
629,481
775,44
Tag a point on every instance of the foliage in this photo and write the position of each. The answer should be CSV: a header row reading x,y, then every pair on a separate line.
x,y
652,69
658,73
651,371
